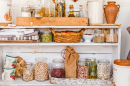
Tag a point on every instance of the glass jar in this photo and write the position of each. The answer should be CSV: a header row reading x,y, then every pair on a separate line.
x,y
83,70
99,36
52,8
28,72
60,8
103,69
46,37
111,37
91,62
41,69
38,12
47,7
25,12
58,68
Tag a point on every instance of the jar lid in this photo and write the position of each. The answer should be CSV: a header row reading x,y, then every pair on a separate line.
x,y
122,62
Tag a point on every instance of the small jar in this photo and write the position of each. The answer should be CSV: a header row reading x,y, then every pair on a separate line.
x,y
25,12
46,37
41,69
112,36
83,70
58,68
103,69
38,12
99,36
28,72
92,68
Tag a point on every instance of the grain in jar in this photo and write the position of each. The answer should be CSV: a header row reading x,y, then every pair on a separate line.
x,y
99,36
41,69
28,72
103,69
83,70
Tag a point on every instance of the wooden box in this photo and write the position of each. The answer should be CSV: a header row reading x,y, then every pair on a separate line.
x,y
52,21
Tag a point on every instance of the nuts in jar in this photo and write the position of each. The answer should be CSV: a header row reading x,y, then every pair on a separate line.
x,y
99,36
41,69
111,38
103,69
28,72
83,71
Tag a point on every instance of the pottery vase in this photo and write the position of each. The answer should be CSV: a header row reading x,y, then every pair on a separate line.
x,y
111,11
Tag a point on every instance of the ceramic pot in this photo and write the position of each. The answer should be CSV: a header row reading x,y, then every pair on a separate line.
x,y
111,11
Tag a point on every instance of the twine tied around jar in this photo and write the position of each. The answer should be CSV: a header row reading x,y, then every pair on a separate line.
x,y
63,52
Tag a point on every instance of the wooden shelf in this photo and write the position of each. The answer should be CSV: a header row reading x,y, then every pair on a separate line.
x,y
58,27
63,44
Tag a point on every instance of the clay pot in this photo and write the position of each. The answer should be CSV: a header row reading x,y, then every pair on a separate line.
x,y
111,11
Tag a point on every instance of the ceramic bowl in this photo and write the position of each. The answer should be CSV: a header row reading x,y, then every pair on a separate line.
x,y
88,38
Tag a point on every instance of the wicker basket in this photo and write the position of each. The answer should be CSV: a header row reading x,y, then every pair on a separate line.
x,y
67,37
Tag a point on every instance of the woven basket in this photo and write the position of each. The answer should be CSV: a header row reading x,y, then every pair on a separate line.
x,y
67,37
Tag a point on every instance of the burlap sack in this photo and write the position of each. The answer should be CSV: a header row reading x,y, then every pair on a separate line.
x,y
71,63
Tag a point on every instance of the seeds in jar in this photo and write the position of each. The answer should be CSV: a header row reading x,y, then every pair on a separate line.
x,y
111,38
83,72
27,75
41,71
103,71
58,73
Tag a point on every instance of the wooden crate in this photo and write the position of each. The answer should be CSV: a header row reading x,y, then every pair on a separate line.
x,y
52,21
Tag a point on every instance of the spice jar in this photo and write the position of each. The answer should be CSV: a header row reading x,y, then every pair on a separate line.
x,y
25,12
41,69
92,67
28,72
46,36
99,36
58,68
103,69
38,12
83,70
112,36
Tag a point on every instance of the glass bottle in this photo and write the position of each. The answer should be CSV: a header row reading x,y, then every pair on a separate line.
x,y
103,69
46,37
93,69
83,69
81,10
43,7
71,11
41,69
60,8
47,7
28,72
112,36
99,36
58,68
52,8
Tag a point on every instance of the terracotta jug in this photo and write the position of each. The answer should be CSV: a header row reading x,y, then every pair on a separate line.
x,y
111,11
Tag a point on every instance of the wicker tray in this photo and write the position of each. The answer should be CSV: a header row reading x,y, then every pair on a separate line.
x,y
67,37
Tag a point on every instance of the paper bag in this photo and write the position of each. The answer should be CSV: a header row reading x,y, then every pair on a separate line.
x,y
71,63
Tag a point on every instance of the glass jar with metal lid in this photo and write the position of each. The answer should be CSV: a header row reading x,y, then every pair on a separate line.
x,y
28,72
83,69
58,68
46,37
25,12
103,69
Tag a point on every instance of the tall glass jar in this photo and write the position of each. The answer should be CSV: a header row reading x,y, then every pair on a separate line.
x,y
25,12
92,67
60,8
99,36
38,12
83,70
52,8
58,68
103,69
28,72
46,37
112,36
41,69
